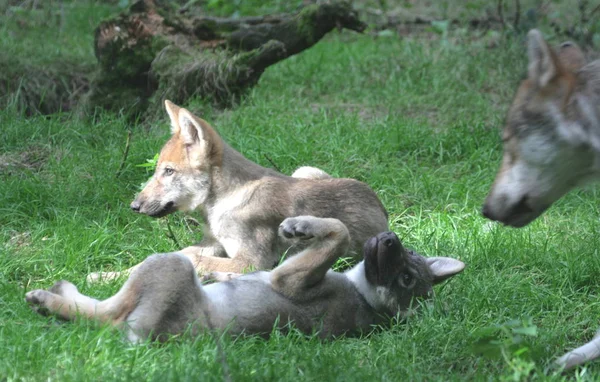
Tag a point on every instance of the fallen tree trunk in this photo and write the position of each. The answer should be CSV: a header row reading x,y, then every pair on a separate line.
x,y
157,51
152,53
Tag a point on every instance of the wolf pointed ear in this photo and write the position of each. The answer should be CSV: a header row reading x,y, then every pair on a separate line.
x,y
543,62
444,267
191,130
173,111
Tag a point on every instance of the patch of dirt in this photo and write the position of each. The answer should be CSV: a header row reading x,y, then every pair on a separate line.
x,y
427,114
32,159
19,239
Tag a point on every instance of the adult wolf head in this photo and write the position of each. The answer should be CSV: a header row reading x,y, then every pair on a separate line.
x,y
551,136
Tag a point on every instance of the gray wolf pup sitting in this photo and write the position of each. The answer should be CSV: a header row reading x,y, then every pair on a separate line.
x,y
242,203
164,295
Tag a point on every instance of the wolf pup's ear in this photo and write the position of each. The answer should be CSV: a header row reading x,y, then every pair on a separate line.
x,y
173,111
444,267
191,130
544,65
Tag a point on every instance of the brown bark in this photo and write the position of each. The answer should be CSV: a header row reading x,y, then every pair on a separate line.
x,y
153,53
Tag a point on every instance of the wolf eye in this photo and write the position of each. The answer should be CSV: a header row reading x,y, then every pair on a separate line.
x,y
407,280
169,171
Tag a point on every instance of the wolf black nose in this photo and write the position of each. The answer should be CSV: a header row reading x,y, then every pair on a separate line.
x,y
522,207
388,238
135,206
486,211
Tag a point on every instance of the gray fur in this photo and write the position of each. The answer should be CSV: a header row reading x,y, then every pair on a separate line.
x,y
243,203
552,134
551,144
164,295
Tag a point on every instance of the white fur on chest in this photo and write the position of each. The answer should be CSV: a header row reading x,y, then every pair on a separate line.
x,y
358,277
224,219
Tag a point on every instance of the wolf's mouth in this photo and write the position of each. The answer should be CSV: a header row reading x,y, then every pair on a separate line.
x,y
517,215
167,209
522,218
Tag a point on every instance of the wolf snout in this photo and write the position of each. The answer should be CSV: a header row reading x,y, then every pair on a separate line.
x,y
522,207
516,213
388,239
486,211
135,206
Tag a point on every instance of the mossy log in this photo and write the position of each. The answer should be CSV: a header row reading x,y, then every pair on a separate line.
x,y
152,52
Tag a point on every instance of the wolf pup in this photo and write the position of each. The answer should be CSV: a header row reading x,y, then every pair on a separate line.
x,y
243,203
551,143
164,295
552,134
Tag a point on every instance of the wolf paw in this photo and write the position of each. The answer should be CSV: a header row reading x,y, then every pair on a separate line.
x,y
306,227
37,300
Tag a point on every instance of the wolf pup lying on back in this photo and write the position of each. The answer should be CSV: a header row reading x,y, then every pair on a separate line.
x,y
243,203
164,296
551,143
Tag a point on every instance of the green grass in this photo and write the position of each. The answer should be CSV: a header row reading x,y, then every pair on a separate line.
x,y
415,118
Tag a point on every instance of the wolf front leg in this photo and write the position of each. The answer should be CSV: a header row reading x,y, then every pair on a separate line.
x,y
225,268
208,247
326,240
246,251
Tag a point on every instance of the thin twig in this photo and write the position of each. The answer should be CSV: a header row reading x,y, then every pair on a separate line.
x,y
501,13
272,163
171,235
594,11
384,10
125,153
517,14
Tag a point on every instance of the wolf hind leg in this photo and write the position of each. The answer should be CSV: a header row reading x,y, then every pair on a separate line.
x,y
64,300
69,290
326,240
582,354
